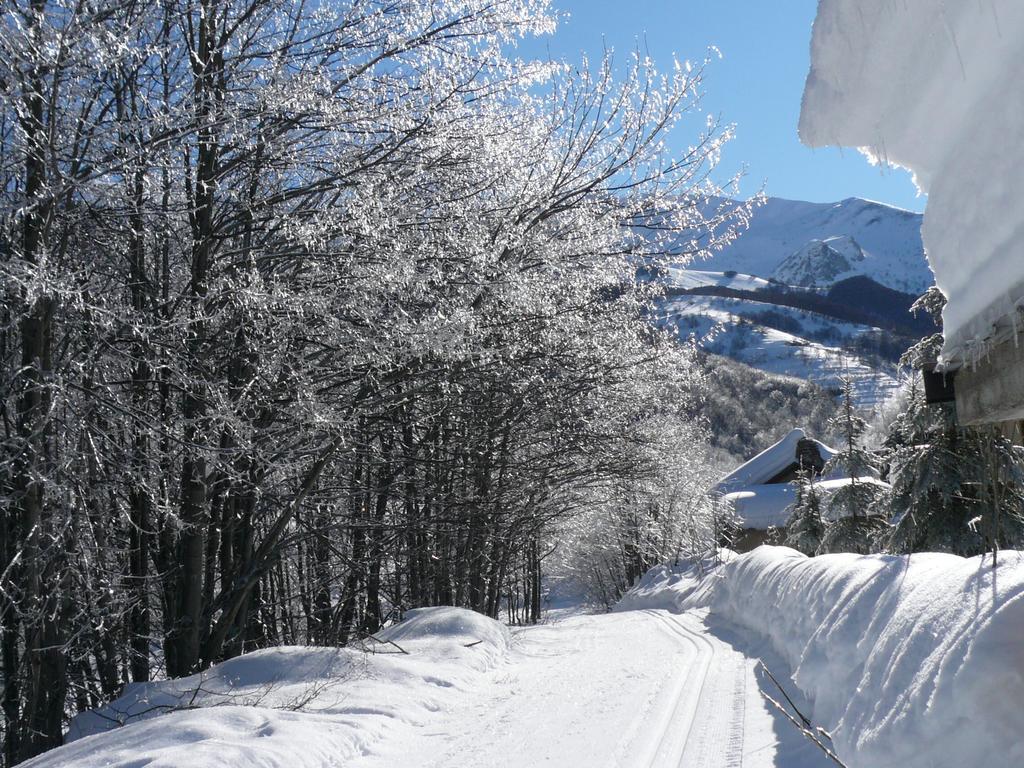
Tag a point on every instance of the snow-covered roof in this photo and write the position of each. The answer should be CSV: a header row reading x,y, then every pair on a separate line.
x,y
760,505
934,86
769,463
763,506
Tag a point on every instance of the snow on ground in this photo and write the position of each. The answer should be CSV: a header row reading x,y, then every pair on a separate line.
x,y
932,86
720,331
293,707
909,661
677,587
640,689
912,662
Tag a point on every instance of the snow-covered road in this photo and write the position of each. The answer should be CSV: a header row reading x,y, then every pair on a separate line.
x,y
634,689
908,660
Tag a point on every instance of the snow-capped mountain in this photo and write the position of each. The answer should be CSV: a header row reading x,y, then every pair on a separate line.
x,y
817,244
821,263
815,291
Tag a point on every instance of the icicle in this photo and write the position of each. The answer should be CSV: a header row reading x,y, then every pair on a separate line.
x,y
1017,318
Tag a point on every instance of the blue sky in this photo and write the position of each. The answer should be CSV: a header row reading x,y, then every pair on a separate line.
x,y
757,85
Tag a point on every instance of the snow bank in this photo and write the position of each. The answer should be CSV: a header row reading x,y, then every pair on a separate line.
x,y
911,661
291,707
933,86
449,635
676,587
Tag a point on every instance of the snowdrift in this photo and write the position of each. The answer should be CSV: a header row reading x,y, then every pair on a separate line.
x,y
676,587
291,707
911,661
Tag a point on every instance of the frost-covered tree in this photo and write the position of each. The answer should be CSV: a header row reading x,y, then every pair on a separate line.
x,y
312,313
664,514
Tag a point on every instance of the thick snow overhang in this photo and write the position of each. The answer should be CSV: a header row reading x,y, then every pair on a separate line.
x,y
935,87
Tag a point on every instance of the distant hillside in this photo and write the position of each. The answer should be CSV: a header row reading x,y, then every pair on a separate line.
x,y
812,347
746,409
816,291
890,309
855,300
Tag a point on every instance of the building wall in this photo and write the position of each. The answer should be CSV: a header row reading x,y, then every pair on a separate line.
x,y
992,389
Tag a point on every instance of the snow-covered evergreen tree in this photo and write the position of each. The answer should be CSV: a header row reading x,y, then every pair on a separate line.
x,y
954,489
805,528
852,512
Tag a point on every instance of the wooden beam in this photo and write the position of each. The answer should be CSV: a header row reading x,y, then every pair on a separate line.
x,y
992,390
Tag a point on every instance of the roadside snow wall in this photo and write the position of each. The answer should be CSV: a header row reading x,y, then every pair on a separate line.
x,y
676,587
911,661
934,86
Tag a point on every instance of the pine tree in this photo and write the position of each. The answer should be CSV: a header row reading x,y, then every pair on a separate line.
x,y
805,528
851,509
954,489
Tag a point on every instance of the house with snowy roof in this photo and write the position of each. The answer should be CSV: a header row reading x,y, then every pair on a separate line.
x,y
758,494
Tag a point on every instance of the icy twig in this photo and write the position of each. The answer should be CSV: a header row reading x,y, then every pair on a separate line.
x,y
385,642
806,721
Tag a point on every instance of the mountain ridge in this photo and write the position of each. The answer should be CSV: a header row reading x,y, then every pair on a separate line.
x,y
888,239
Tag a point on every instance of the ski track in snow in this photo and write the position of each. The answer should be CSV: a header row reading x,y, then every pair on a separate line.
x,y
711,723
640,689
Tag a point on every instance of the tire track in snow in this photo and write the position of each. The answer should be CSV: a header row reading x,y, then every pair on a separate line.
x,y
659,703
717,736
